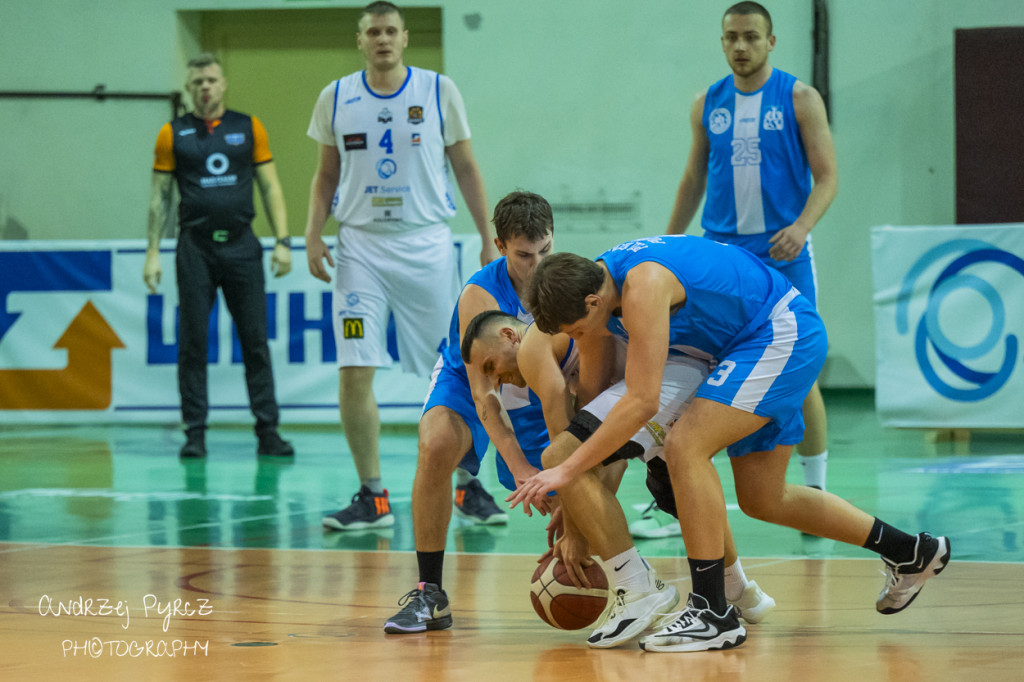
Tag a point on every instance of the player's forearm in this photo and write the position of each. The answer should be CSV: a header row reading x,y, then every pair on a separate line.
x,y
320,195
471,184
625,419
820,198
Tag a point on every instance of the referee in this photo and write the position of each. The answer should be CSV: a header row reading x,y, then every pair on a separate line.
x,y
214,154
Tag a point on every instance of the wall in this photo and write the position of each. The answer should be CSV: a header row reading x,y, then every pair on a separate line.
x,y
581,101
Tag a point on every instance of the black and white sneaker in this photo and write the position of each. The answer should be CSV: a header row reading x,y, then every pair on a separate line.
x,y
697,628
475,504
425,608
903,582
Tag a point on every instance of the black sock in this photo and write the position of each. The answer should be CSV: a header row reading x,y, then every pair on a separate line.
x,y
431,566
892,543
708,576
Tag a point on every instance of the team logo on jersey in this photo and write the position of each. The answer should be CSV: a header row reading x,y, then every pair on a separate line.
x,y
355,141
352,327
773,119
352,299
719,121
386,168
415,115
415,139
235,139
384,116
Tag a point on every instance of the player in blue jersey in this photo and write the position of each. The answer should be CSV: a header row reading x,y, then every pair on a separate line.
x,y
759,137
463,412
508,351
681,294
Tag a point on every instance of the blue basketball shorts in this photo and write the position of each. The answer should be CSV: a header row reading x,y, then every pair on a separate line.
x,y
770,372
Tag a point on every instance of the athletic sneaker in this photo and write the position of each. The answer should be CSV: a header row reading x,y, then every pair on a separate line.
x,y
753,604
655,523
697,628
425,608
368,510
630,612
903,582
271,443
475,504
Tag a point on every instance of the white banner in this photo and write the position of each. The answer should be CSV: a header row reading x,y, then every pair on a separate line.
x,y
949,320
81,339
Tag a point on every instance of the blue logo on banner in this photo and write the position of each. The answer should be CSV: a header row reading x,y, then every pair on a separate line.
x,y
929,333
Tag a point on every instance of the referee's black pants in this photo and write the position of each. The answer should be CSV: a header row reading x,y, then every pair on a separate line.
x,y
236,267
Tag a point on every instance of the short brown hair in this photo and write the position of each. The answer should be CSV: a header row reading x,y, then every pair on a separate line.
x,y
559,288
379,8
201,61
745,8
523,214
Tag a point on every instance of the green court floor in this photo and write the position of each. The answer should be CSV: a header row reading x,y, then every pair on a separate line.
x,y
124,485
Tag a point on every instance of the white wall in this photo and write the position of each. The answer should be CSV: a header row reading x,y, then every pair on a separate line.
x,y
583,101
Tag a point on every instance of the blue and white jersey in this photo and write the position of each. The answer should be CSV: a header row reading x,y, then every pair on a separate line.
x,y
394,172
758,175
730,293
522,404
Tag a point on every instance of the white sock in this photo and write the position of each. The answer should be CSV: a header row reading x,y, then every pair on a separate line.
x,y
814,469
463,477
735,581
374,484
628,571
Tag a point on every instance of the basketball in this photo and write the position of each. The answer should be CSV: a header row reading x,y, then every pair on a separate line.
x,y
561,604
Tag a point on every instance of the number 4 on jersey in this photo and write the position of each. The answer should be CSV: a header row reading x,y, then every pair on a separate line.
x,y
386,143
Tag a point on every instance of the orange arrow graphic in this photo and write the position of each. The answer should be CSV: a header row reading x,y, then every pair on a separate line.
x,y
84,384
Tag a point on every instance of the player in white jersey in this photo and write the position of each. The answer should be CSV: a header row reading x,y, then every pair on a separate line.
x,y
759,136
506,350
388,135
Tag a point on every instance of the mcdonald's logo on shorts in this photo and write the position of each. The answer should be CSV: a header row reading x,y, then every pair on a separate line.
x,y
352,327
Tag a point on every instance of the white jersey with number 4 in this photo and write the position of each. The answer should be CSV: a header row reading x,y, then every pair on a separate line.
x,y
394,173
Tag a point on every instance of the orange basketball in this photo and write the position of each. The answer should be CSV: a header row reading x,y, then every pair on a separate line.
x,y
563,605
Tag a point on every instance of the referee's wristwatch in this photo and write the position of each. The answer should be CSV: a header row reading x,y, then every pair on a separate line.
x,y
286,242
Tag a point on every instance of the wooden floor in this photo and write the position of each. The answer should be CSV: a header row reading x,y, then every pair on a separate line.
x,y
304,615
109,512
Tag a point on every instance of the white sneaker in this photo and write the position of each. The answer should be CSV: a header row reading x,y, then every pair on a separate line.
x,y
753,604
630,612
903,582
654,523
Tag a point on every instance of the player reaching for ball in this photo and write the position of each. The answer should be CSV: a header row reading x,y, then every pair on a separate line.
x,y
508,351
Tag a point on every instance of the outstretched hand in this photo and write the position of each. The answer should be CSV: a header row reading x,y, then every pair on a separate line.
x,y
534,491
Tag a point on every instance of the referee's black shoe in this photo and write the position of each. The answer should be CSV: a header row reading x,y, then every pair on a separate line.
x,y
195,445
271,443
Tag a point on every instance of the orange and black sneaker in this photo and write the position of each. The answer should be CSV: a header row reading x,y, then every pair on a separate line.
x,y
368,510
476,505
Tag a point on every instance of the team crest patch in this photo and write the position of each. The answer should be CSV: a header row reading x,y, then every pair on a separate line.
x,y
415,115
352,327
384,116
719,121
773,119
235,139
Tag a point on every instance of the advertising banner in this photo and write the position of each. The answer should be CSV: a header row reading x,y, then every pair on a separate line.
x,y
83,340
949,319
